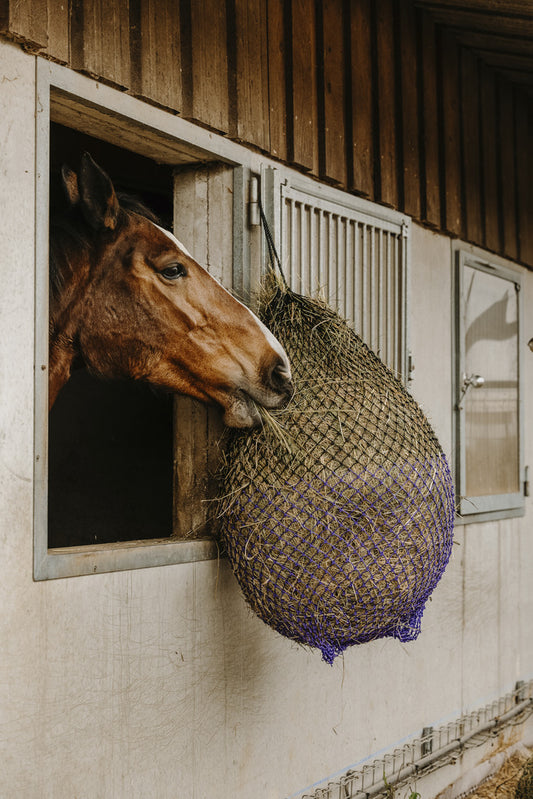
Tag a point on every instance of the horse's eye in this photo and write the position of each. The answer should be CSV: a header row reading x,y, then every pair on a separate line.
x,y
173,271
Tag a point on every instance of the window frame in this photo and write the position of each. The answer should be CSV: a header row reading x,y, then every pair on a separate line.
x,y
494,506
86,105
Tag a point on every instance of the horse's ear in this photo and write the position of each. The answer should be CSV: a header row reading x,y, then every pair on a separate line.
x,y
70,184
98,199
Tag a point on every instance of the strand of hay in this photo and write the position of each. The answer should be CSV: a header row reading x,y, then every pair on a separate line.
x,y
338,513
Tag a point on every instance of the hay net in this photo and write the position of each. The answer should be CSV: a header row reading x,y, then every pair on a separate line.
x,y
337,515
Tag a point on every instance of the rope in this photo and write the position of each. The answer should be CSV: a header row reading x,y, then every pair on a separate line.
x,y
273,257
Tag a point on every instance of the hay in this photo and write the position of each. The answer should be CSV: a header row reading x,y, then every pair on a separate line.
x,y
338,513
513,780
524,788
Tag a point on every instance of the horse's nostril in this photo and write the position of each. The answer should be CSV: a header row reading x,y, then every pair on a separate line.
x,y
280,379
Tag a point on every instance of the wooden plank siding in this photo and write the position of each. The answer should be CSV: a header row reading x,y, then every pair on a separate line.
x,y
156,52
277,43
524,177
302,86
332,84
431,128
385,93
409,110
379,97
207,64
251,111
104,40
451,173
471,150
41,25
490,195
361,161
506,139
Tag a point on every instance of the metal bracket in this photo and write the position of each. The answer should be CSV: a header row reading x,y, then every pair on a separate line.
x,y
410,367
426,746
254,217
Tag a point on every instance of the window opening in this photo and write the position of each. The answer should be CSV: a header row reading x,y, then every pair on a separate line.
x,y
110,443
142,148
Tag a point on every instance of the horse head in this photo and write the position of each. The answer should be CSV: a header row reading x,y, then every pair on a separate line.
x,y
130,301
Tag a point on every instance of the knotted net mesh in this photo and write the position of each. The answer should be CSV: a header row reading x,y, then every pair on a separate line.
x,y
337,513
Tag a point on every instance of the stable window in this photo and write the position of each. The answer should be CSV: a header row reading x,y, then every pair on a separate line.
x,y
110,476
488,401
123,475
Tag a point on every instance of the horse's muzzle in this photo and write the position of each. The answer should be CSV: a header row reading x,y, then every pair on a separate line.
x,y
242,409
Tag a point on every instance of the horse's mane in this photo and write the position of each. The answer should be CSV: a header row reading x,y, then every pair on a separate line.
x,y
69,229
132,204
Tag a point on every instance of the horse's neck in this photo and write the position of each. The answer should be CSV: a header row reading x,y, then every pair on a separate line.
x,y
63,326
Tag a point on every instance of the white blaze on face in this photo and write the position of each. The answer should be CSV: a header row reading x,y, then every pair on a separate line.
x,y
271,339
174,240
274,343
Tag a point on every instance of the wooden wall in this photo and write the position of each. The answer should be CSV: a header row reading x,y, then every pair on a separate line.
x,y
370,95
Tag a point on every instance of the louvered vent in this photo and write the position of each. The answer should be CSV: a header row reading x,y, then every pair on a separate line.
x,y
355,261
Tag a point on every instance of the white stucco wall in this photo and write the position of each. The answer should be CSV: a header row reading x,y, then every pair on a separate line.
x,y
496,558
159,683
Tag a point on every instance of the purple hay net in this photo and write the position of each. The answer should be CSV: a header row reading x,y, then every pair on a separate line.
x,y
378,583
339,523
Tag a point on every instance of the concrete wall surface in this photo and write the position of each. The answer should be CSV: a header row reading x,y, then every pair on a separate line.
x,y
159,683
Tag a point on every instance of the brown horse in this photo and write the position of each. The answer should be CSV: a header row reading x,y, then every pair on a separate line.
x,y
129,301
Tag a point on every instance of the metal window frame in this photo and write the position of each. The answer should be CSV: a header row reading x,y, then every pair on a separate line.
x,y
496,506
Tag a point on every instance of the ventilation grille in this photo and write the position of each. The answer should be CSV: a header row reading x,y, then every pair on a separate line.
x,y
355,262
